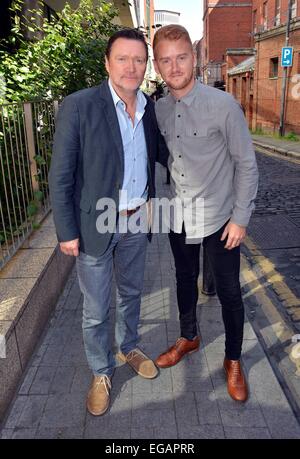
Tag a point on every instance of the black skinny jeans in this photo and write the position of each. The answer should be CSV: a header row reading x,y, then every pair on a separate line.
x,y
225,267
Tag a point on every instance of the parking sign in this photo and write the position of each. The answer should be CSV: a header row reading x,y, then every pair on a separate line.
x,y
287,56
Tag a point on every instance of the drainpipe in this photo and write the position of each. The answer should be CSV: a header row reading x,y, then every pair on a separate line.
x,y
284,80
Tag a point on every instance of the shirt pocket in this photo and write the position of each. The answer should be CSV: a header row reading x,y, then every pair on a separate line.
x,y
203,137
199,132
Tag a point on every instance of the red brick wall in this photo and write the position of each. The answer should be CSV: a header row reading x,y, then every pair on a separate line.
x,y
226,27
152,20
243,93
267,95
258,5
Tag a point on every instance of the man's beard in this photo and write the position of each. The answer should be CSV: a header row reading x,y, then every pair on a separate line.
x,y
183,84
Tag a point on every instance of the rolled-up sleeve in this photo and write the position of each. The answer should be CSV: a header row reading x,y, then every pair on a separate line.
x,y
240,147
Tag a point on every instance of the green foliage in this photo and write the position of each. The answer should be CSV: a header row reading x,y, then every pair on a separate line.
x,y
61,57
14,175
289,136
257,131
32,209
292,136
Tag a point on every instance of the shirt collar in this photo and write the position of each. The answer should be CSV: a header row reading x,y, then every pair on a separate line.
x,y
141,99
115,96
190,96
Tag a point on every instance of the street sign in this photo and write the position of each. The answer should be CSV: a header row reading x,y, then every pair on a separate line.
x,y
287,56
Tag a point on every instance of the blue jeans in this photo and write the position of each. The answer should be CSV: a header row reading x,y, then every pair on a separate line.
x,y
126,253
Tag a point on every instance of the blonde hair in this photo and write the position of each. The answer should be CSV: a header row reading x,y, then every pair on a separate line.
x,y
171,32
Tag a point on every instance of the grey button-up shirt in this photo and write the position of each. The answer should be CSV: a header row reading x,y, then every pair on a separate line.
x,y
211,159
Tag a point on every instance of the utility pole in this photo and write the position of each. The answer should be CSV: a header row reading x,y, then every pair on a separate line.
x,y
284,80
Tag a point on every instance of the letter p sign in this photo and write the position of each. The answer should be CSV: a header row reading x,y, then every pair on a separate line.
x,y
287,56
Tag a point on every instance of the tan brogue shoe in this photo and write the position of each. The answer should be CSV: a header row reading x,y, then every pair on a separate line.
x,y
140,363
98,396
236,381
175,353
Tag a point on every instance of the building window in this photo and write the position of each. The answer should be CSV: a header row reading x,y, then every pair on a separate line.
x,y
234,87
254,21
5,19
277,13
273,67
294,9
251,83
265,15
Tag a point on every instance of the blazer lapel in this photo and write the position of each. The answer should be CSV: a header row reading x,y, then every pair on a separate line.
x,y
112,119
148,137
147,130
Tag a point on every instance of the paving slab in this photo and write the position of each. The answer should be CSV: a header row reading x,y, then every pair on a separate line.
x,y
189,401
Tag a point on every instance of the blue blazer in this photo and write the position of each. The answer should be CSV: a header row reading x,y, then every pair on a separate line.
x,y
88,163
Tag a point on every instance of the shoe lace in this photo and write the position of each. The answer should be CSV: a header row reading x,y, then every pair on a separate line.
x,y
135,354
178,341
105,381
236,370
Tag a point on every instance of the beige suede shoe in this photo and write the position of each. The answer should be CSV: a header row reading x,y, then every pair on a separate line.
x,y
98,397
140,363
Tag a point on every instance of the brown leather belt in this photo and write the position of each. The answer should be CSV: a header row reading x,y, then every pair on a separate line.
x,y
129,212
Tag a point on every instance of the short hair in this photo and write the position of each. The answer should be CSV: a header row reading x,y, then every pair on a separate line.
x,y
171,32
129,34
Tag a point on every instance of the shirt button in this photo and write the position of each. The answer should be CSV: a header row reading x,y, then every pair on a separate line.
x,y
182,175
179,116
179,156
133,180
178,137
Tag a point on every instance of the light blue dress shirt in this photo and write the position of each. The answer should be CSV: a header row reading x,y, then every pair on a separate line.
x,y
134,189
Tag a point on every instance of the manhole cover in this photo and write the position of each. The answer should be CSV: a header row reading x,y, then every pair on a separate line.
x,y
273,232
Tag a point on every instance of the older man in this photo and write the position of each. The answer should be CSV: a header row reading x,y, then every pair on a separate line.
x,y
105,148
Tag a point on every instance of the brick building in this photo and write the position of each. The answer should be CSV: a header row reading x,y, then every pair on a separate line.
x,y
197,48
240,83
226,24
145,22
269,25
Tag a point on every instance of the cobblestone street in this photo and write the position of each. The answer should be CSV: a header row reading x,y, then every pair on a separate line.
x,y
279,188
275,225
